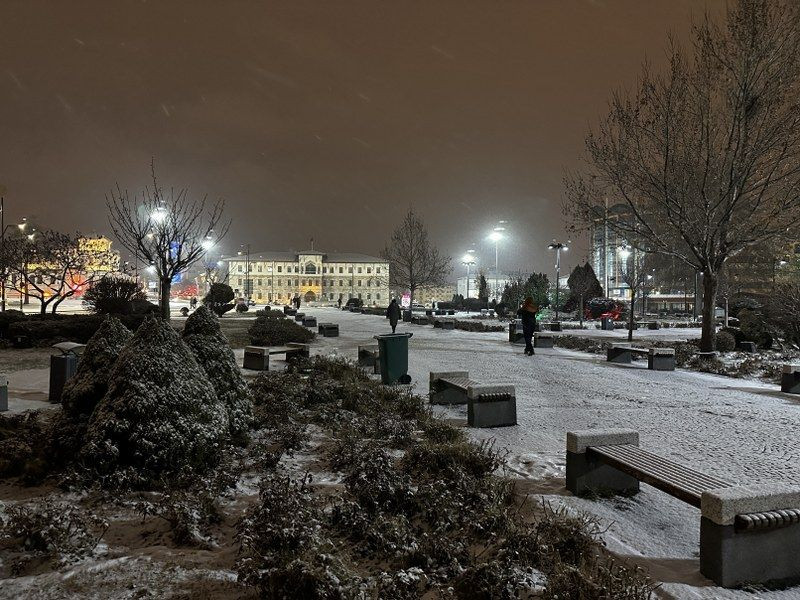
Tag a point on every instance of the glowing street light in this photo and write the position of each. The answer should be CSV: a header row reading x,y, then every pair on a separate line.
x,y
495,236
207,244
468,260
159,215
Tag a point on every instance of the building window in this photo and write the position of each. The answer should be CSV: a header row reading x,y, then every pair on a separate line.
x,y
341,283
241,268
260,283
377,296
377,269
240,281
359,283
258,295
259,268
369,296
269,282
369,269
359,269
349,269
280,269
311,269
369,283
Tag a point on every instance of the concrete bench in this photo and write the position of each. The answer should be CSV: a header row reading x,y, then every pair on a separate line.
x,y
328,329
552,326
420,320
406,316
790,379
515,335
649,324
309,321
298,316
658,359
487,405
542,340
368,356
749,347
748,534
289,312
256,358
444,323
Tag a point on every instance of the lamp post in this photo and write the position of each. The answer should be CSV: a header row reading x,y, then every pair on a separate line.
x,y
495,236
558,247
246,271
468,260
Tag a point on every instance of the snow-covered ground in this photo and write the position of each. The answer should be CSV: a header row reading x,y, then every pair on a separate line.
x,y
741,431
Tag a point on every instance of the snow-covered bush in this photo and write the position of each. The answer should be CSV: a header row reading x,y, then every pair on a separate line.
x,y
31,534
160,417
725,342
90,383
212,351
268,331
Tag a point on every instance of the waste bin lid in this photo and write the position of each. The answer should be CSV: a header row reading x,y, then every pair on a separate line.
x,y
69,347
394,335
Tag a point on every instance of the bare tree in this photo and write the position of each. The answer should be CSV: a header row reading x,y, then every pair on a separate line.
x,y
705,157
414,262
52,266
170,231
633,272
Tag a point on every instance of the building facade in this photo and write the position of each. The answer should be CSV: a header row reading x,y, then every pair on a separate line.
x,y
315,276
495,284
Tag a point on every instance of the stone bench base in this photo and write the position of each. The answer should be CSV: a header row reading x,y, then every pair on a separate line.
x,y
542,341
790,379
328,329
491,406
256,358
309,321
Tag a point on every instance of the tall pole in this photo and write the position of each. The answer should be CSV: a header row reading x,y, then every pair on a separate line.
x,y
558,275
467,301
3,265
695,307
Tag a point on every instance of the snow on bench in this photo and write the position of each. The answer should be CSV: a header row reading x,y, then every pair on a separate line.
x,y
748,534
658,359
487,405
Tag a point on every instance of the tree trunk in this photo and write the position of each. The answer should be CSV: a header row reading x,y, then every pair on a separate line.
x,y
708,335
163,298
630,316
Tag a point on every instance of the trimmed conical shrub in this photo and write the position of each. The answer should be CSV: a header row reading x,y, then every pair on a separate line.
x,y
87,387
212,351
160,418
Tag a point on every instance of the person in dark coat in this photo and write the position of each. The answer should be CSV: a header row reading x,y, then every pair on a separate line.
x,y
527,314
393,312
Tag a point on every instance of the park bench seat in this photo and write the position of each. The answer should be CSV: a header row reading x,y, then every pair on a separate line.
x,y
420,320
658,359
256,358
748,534
328,329
487,405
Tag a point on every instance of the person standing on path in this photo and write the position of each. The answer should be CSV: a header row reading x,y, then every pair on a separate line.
x,y
393,312
527,314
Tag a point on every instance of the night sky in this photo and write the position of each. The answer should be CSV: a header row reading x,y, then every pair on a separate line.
x,y
322,119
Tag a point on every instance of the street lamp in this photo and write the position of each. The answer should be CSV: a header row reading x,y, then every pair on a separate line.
x,y
468,260
558,247
495,236
246,270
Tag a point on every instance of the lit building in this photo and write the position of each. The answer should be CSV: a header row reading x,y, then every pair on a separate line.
x,y
101,257
314,276
495,284
438,293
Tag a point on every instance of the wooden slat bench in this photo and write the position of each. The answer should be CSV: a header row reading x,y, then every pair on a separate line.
x,y
748,534
487,405
658,359
328,329
256,358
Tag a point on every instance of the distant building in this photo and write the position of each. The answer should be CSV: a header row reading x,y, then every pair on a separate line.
x,y
101,257
495,284
440,293
313,275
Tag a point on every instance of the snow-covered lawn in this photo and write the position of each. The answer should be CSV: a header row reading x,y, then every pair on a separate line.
x,y
741,431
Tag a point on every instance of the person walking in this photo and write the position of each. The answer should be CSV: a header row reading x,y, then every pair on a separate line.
x,y
527,314
393,312
339,302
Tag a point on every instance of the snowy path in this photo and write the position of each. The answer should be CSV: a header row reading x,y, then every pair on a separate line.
x,y
742,431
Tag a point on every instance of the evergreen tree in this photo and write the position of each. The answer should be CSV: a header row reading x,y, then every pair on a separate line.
x,y
583,286
160,418
212,351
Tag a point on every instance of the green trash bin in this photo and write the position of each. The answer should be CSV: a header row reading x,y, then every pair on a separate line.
x,y
393,349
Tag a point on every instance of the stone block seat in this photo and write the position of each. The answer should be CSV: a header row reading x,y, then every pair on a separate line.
x,y
790,379
256,358
420,320
748,534
444,323
542,340
368,356
515,335
658,359
328,329
487,405
298,316
309,321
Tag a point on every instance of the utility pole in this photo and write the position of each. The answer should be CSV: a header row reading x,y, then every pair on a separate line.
x,y
558,247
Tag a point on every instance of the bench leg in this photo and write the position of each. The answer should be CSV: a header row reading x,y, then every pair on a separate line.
x,y
790,383
256,362
731,558
499,413
586,475
447,395
661,363
618,355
